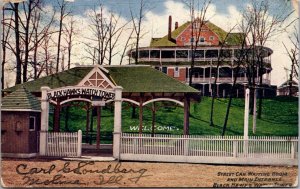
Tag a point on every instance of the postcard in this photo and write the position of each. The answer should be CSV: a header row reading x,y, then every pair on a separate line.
x,y
160,93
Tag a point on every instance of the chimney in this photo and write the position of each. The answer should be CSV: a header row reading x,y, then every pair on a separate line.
x,y
170,28
176,25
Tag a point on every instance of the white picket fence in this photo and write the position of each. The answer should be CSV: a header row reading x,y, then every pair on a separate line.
x,y
264,150
63,144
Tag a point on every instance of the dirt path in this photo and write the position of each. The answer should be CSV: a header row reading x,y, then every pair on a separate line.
x,y
58,173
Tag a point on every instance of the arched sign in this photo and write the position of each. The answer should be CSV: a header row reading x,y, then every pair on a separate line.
x,y
103,94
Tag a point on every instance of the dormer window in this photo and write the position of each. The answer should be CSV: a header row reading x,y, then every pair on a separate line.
x,y
211,38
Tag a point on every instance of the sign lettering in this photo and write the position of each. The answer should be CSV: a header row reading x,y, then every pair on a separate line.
x,y
65,92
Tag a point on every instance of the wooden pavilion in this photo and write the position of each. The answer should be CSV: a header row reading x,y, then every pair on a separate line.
x,y
140,85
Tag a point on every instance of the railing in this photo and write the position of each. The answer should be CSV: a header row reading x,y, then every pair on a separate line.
x,y
63,144
224,80
210,149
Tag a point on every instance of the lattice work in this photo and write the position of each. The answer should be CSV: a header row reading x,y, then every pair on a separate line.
x,y
96,80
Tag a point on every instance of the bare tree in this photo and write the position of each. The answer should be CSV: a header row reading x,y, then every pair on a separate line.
x,y
221,56
5,37
137,20
69,38
198,20
62,15
293,54
262,27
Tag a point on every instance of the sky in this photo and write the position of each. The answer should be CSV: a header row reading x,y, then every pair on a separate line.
x,y
224,13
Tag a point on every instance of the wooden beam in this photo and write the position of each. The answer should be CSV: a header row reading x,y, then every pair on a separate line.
x,y
87,124
153,118
186,121
98,126
141,114
56,127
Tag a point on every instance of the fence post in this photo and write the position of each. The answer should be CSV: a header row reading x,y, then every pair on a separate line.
x,y
186,146
79,141
293,150
234,148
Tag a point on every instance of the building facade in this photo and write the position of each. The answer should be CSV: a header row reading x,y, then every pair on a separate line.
x,y
172,54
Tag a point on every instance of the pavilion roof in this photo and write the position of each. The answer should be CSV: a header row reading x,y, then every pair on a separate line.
x,y
132,78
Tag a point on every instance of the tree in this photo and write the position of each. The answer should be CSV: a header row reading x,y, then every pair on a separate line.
x,y
221,56
5,38
198,20
63,14
262,27
293,54
137,20
69,38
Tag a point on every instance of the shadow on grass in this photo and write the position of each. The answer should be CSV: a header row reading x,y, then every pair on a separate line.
x,y
217,126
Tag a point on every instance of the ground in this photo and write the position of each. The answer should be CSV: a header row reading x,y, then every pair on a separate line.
x,y
59,173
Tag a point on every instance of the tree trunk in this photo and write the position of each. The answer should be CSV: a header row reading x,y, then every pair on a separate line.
x,y
18,51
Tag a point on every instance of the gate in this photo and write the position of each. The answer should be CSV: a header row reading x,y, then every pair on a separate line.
x,y
63,144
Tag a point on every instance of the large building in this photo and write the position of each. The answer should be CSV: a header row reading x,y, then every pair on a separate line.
x,y
172,55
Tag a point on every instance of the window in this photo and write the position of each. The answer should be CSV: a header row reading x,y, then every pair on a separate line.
x,y
192,40
31,123
167,54
144,54
202,39
176,72
211,38
154,54
181,54
164,69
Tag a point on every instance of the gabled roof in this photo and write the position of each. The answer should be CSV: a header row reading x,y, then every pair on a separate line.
x,y
20,100
69,77
287,83
131,78
232,39
146,79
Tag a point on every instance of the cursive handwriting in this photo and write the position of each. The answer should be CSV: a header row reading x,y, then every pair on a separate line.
x,y
111,174
57,179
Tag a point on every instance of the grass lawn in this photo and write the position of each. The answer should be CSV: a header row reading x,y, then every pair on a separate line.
x,y
279,118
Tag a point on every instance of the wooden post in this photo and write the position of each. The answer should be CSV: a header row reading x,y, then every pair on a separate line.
x,y
56,127
98,126
254,112
117,122
87,124
141,115
153,119
186,121
44,120
246,121
79,143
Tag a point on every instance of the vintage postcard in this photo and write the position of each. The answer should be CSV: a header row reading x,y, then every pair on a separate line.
x,y
149,93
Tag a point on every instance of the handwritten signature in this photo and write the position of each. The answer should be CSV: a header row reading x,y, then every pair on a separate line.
x,y
112,174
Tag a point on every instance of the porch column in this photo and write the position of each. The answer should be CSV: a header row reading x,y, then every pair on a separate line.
x,y
44,120
186,120
117,122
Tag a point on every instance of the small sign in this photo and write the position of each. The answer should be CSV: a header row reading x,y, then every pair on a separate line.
x,y
98,103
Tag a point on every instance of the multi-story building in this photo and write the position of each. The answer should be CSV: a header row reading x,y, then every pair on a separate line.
x,y
172,55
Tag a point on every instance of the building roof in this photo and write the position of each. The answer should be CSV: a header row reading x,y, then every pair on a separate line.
x,y
146,79
69,77
287,83
232,39
131,78
20,100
